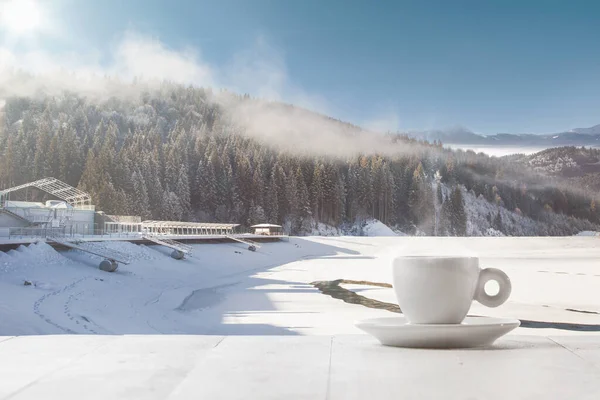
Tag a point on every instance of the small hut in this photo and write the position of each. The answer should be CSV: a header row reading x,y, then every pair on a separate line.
x,y
267,229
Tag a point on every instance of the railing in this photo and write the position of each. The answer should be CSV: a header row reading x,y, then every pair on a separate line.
x,y
96,248
173,244
43,232
66,232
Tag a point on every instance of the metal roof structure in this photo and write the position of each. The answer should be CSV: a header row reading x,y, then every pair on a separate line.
x,y
75,197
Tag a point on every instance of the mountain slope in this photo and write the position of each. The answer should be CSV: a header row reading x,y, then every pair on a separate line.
x,y
184,153
563,161
580,166
594,130
575,137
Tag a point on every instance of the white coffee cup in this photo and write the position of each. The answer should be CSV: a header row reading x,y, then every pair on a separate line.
x,y
440,290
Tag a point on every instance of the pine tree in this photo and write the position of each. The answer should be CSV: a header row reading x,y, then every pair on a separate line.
x,y
151,174
291,189
364,189
182,190
427,210
41,165
421,202
140,196
234,205
52,160
415,194
387,195
329,201
498,222
439,200
258,187
92,176
458,217
172,210
303,196
283,202
272,200
206,188
108,149
256,215
340,198
351,199
317,192
69,157
445,224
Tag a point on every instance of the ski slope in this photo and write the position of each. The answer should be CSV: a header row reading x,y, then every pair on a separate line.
x,y
226,289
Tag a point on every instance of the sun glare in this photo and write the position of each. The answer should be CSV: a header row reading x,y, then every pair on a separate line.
x,y
20,16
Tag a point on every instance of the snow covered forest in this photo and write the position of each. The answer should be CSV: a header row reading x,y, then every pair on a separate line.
x,y
178,153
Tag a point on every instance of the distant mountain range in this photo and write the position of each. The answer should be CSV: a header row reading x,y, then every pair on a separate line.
x,y
575,137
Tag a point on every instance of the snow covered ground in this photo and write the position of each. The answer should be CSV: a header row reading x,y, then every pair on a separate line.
x,y
588,233
226,289
375,228
370,227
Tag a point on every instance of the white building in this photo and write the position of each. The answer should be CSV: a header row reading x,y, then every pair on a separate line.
x,y
72,211
267,229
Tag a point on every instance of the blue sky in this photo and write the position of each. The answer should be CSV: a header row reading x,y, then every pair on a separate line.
x,y
491,66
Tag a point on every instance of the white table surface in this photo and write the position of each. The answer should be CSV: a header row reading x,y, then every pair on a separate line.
x,y
294,367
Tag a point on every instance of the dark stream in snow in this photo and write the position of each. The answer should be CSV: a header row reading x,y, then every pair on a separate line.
x,y
333,289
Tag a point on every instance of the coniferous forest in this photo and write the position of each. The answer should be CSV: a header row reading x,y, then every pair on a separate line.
x,y
174,153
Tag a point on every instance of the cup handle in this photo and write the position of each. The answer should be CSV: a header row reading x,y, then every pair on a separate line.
x,y
493,274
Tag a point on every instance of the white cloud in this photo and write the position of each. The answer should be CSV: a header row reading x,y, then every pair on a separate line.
x,y
148,58
262,72
259,70
386,121
134,56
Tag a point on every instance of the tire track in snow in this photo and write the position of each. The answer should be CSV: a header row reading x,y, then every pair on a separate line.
x,y
37,305
88,321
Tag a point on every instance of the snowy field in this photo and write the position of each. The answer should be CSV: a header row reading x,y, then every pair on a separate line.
x,y
226,289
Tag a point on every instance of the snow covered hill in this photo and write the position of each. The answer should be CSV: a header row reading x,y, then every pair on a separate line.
x,y
481,214
370,227
375,227
563,161
588,233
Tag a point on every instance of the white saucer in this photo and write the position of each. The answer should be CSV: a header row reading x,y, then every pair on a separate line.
x,y
473,332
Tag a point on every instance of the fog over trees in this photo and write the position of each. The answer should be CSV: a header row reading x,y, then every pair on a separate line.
x,y
184,153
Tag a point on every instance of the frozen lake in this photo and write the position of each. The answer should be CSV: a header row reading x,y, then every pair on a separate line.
x,y
226,290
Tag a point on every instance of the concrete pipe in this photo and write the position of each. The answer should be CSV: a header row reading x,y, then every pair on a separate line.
x,y
177,254
108,266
